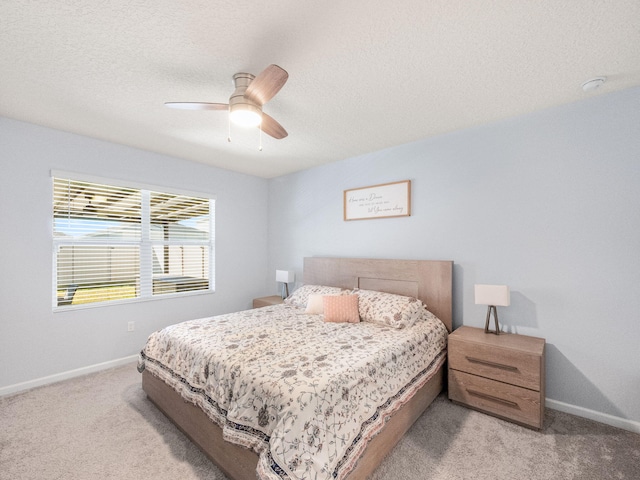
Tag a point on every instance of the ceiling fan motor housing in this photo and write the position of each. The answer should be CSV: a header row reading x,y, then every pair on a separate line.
x,y
242,109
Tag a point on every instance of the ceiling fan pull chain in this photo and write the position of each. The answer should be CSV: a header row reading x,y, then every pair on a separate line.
x,y
229,126
260,146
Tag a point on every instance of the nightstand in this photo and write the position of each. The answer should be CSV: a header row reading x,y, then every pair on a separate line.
x,y
502,375
267,301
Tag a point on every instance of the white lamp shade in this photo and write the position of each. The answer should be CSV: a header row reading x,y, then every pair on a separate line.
x,y
286,276
497,295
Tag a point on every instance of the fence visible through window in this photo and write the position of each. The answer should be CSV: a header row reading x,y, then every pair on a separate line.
x,y
116,243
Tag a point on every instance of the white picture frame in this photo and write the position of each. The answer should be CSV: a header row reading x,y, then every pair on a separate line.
x,y
385,200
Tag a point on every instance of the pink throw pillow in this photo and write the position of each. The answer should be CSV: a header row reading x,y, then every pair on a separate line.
x,y
341,308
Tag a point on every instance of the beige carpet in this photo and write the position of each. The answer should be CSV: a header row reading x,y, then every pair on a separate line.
x,y
101,426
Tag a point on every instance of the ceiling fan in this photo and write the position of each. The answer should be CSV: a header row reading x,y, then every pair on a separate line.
x,y
245,103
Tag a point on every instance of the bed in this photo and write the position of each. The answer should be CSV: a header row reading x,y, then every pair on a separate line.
x,y
233,444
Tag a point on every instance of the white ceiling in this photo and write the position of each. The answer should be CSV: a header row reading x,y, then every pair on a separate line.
x,y
363,74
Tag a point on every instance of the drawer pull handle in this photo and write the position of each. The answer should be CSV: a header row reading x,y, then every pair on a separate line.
x,y
492,398
502,366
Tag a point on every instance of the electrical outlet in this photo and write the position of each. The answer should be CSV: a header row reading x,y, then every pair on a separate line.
x,y
130,326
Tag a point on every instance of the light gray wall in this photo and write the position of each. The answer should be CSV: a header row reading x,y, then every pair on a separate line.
x,y
36,343
547,203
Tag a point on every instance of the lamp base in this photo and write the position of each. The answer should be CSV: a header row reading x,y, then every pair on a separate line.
x,y
285,290
492,308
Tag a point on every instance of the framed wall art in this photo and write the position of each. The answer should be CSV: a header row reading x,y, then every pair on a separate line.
x,y
378,201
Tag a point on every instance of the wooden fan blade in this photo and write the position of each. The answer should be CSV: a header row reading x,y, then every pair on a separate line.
x,y
197,105
266,84
273,128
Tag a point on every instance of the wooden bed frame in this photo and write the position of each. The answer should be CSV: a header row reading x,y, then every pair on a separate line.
x,y
428,280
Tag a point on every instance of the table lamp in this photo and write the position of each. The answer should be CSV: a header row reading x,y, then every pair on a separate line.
x,y
286,277
493,296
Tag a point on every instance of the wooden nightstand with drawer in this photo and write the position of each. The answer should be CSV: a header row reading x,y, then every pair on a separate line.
x,y
502,375
267,301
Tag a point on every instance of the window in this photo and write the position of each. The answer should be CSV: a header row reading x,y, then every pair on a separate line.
x,y
113,243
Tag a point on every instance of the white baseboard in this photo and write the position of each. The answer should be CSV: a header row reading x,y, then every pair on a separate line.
x,y
38,382
605,418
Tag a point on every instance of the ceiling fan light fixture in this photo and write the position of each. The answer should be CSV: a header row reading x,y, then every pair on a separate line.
x,y
245,115
246,101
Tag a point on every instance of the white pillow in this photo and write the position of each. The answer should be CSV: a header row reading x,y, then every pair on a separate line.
x,y
315,304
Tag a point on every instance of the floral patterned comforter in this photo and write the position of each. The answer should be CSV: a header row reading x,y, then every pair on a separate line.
x,y
305,394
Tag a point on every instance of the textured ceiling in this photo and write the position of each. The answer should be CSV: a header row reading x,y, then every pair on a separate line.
x,y
363,74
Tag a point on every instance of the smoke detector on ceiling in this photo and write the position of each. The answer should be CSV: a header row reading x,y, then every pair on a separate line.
x,y
593,84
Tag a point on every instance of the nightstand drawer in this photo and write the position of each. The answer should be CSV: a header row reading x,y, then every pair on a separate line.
x,y
502,364
503,400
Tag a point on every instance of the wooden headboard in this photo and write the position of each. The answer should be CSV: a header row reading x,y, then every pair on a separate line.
x,y
428,280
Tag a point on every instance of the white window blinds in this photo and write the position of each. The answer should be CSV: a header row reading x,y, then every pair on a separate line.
x,y
114,243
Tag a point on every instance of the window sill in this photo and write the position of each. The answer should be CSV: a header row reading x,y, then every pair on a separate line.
x,y
113,303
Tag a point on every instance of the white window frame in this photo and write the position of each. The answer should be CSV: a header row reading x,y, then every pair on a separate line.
x,y
145,243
